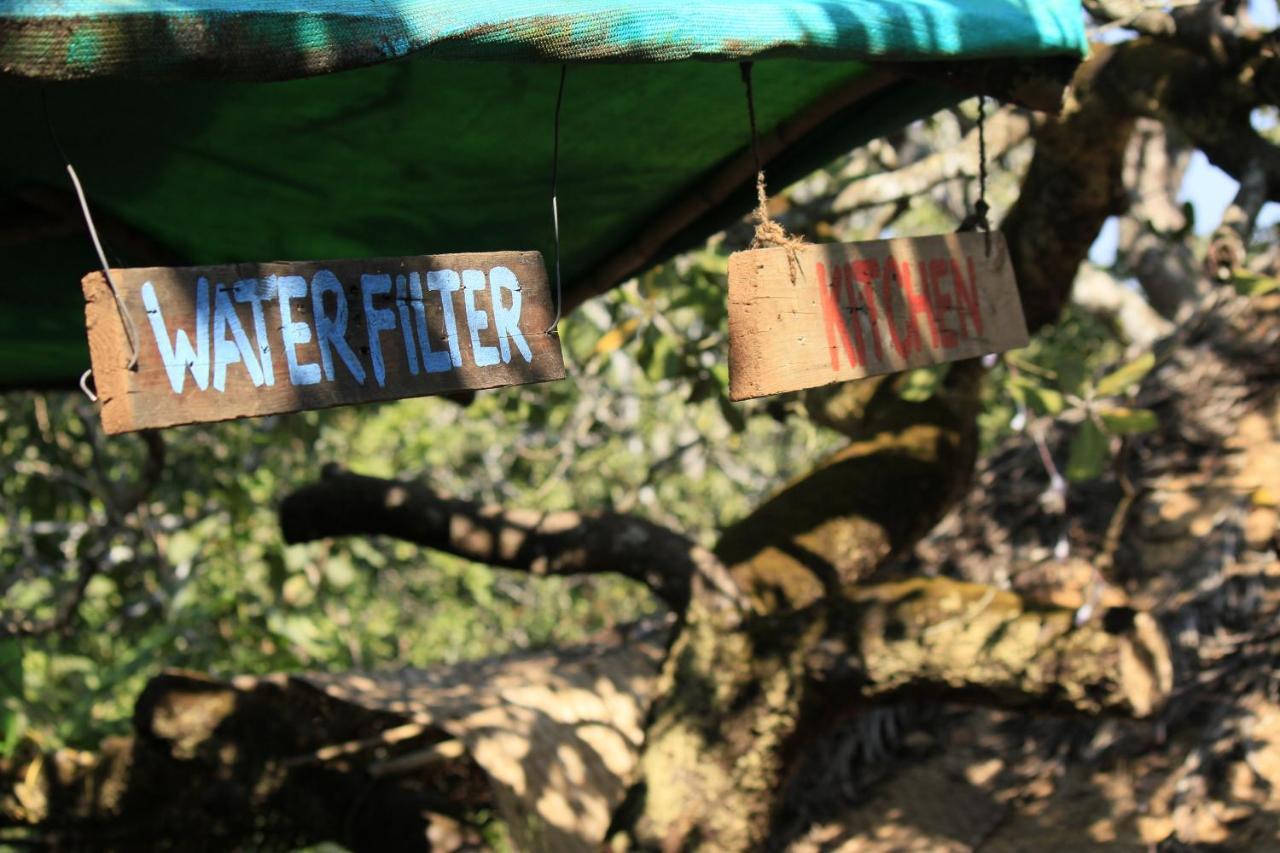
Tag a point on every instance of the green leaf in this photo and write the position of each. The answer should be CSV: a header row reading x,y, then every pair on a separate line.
x,y
1089,452
664,362
1045,401
919,384
1252,284
1122,421
1127,377
11,676
704,388
616,337
733,414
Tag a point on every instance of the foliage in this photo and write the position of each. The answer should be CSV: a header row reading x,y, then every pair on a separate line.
x,y
1073,373
1254,284
197,576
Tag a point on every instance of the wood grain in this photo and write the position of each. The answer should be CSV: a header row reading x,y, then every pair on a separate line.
x,y
842,311
239,338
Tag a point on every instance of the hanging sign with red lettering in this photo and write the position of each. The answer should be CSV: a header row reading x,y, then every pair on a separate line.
x,y
215,343
840,311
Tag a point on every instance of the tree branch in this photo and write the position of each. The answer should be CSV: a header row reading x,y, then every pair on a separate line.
x,y
1099,292
873,500
1209,100
1074,183
1230,241
1166,269
296,752
1005,129
1198,25
543,543
943,638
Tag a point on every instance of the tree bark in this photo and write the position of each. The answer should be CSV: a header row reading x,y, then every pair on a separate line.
x,y
543,543
1167,270
388,760
1005,129
1074,183
720,738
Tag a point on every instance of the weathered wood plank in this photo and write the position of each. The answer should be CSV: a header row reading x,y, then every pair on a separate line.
x,y
223,342
842,311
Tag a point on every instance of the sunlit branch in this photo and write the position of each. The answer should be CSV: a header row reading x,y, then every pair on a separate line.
x,y
542,543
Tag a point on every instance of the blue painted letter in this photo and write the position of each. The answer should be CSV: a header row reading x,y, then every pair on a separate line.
x,y
433,361
332,332
254,292
179,357
294,287
237,348
406,326
506,321
446,282
477,319
377,320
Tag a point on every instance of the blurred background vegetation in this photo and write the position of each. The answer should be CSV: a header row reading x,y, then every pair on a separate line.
x,y
196,575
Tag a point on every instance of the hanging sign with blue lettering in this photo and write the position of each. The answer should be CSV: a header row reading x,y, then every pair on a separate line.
x,y
215,343
824,313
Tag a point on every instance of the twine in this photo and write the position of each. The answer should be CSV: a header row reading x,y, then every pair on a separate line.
x,y
768,232
977,220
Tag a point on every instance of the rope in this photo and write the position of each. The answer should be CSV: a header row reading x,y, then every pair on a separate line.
x,y
978,219
981,208
768,232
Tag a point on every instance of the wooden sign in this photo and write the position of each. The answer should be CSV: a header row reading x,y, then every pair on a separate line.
x,y
224,342
843,311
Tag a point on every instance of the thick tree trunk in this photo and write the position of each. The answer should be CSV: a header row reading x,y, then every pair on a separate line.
x,y
717,747
1075,182
719,742
734,695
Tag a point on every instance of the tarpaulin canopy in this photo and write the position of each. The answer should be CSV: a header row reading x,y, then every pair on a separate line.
x,y
212,132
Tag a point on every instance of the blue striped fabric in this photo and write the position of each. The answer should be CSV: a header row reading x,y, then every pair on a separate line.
x,y
228,38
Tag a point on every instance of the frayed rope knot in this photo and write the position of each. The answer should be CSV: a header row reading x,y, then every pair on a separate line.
x,y
771,233
768,232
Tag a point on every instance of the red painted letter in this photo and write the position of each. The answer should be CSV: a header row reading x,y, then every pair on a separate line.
x,y
891,282
918,301
851,308
967,297
942,303
828,293
865,273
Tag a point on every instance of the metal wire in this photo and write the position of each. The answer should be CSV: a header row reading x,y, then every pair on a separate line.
x,y
745,70
555,204
131,332
84,386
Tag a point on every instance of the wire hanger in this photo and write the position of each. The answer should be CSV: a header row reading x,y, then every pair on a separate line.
x,y
555,205
131,332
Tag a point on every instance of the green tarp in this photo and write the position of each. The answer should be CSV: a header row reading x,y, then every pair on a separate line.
x,y
215,132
